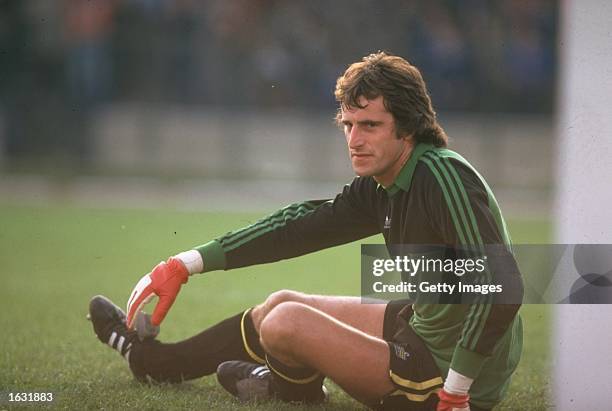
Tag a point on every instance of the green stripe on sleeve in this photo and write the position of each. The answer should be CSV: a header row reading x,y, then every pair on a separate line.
x,y
476,318
266,229
466,201
287,213
466,225
451,207
480,311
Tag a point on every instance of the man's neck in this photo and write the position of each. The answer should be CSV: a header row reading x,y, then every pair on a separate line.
x,y
389,177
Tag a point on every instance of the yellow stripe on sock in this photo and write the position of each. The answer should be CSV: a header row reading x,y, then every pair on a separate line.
x,y
254,356
293,380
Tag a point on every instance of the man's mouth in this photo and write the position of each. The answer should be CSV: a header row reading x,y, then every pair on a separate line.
x,y
360,155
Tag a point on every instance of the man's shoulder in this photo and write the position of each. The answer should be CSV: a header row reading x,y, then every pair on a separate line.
x,y
445,155
442,166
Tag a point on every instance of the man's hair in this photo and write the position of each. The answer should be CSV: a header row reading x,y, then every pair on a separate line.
x,y
403,91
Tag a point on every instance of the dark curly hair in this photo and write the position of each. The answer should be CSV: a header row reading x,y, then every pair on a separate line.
x,y
403,91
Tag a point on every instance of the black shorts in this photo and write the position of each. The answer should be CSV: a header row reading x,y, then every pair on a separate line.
x,y
413,370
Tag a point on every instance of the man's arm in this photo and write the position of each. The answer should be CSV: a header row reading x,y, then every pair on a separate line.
x,y
297,229
465,213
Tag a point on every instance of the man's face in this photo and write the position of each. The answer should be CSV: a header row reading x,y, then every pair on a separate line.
x,y
372,141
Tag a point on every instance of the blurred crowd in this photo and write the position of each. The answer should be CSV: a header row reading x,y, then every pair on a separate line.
x,y
69,57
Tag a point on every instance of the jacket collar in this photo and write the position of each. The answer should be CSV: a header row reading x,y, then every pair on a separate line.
x,y
404,178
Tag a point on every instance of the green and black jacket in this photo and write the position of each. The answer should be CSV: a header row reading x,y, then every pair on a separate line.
x,y
438,198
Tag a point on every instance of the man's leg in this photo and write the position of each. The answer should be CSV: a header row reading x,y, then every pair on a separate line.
x,y
368,318
237,338
302,337
196,356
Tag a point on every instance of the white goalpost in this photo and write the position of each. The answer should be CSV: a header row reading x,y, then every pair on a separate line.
x,y
582,340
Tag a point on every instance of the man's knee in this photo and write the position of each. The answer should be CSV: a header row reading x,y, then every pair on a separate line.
x,y
283,296
276,298
280,328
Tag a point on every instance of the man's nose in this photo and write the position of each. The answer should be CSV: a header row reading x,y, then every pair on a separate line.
x,y
355,139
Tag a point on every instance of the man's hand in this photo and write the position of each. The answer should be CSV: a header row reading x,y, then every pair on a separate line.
x,y
164,281
453,402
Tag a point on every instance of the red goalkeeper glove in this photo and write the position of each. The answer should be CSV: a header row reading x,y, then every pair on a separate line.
x,y
165,281
453,402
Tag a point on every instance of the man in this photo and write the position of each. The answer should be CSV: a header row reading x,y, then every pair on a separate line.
x,y
394,356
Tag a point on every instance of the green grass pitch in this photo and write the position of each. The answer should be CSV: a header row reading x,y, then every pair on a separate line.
x,y
53,260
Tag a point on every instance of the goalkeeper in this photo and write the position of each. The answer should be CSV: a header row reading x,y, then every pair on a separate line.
x,y
419,356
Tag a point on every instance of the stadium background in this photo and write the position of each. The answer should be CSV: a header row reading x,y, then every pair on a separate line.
x,y
130,130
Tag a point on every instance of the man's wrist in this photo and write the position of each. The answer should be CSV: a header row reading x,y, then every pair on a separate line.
x,y
457,384
193,261
214,255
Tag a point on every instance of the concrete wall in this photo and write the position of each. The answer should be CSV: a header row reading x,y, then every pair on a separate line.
x,y
511,151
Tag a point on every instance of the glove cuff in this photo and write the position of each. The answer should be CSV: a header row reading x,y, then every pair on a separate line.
x,y
453,399
177,267
456,383
192,260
